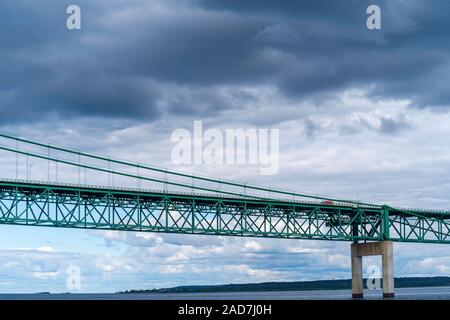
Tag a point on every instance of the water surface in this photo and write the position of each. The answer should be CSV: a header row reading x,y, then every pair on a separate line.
x,y
434,293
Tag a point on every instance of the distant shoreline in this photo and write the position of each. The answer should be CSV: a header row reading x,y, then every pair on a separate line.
x,y
344,284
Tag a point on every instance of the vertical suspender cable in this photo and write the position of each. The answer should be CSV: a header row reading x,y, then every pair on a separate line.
x,y
48,164
79,169
17,160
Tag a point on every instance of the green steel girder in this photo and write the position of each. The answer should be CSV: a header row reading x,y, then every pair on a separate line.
x,y
52,205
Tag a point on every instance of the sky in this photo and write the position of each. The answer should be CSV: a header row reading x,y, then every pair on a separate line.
x,y
362,114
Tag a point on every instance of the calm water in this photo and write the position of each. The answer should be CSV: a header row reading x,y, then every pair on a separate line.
x,y
441,293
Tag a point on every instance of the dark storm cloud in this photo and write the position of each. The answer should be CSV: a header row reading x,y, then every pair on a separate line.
x,y
324,46
48,70
138,61
292,8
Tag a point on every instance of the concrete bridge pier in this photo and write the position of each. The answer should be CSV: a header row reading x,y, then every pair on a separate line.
x,y
383,248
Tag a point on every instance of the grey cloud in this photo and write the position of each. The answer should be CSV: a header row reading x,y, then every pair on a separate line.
x,y
120,65
385,125
327,47
391,126
310,128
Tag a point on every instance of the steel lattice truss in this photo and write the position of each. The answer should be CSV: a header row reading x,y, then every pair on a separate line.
x,y
35,204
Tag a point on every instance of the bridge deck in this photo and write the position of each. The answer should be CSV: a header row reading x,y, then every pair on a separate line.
x,y
100,207
33,184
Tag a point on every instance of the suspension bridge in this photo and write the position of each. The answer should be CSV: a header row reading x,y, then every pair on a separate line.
x,y
152,199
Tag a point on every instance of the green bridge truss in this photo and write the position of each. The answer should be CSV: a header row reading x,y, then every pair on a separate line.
x,y
51,205
222,210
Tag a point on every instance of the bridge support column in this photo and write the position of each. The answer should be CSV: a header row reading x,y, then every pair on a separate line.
x,y
357,274
383,248
388,268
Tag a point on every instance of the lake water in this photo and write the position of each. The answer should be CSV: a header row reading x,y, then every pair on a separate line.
x,y
435,293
